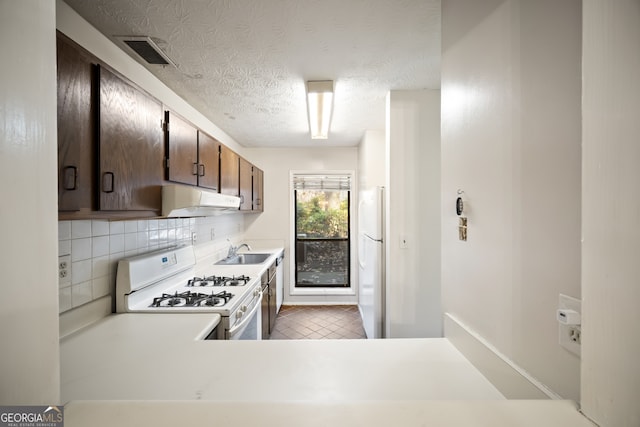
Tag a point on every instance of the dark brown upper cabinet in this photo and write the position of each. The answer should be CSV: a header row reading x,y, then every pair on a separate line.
x,y
112,148
182,149
229,172
193,156
131,147
258,189
76,126
208,161
246,185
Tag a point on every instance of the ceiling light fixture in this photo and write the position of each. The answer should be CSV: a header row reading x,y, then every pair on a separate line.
x,y
319,105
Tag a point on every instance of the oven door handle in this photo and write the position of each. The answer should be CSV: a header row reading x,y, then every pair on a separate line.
x,y
246,318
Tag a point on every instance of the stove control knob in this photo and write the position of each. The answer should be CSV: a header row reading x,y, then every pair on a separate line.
x,y
239,313
244,308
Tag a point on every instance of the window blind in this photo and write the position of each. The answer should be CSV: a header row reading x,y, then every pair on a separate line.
x,y
321,182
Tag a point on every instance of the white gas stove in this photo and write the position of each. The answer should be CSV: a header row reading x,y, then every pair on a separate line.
x,y
166,281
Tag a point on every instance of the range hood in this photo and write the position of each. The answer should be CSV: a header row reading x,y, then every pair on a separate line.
x,y
186,201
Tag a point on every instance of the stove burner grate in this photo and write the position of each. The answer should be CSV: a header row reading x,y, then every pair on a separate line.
x,y
218,281
236,281
213,300
192,299
206,281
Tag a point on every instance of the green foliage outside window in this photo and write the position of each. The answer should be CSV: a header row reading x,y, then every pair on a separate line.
x,y
322,214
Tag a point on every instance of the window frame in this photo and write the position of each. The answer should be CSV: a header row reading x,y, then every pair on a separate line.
x,y
347,239
323,291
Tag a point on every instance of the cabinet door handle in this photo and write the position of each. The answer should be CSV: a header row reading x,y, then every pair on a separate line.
x,y
195,169
242,199
108,180
258,202
70,178
201,170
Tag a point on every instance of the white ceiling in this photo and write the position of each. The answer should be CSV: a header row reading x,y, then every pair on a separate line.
x,y
244,63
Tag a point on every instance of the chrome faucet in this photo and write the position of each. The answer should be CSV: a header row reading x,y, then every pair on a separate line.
x,y
233,250
245,245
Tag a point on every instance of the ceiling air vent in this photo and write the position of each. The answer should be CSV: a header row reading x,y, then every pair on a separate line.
x,y
147,49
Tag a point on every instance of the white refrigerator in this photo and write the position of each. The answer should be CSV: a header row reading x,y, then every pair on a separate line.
x,y
371,286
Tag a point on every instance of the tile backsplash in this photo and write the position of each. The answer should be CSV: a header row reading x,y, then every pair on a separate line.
x,y
94,248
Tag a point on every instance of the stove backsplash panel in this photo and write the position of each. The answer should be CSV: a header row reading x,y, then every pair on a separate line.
x,y
92,248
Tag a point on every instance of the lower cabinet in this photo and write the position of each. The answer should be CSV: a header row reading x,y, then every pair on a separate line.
x,y
273,312
269,301
265,312
272,297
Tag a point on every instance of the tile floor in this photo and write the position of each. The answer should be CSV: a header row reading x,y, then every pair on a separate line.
x,y
318,322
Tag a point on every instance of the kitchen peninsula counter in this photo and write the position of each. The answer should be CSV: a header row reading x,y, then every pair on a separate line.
x,y
154,370
162,357
440,413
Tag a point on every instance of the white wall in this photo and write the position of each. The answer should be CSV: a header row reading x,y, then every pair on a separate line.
x,y
275,223
412,155
611,212
29,372
511,140
371,160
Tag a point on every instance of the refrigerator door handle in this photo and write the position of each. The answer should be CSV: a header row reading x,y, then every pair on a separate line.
x,y
362,251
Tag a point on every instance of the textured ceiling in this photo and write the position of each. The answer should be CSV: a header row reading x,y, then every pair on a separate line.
x,y
244,63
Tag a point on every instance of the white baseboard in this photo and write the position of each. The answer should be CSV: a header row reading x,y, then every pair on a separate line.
x,y
510,379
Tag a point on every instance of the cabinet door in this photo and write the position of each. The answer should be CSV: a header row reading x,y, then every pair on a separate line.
x,y
75,126
246,185
209,161
182,150
265,314
272,305
131,148
229,172
258,189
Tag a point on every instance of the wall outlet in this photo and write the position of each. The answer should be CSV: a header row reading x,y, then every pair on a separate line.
x,y
570,336
64,270
194,238
574,335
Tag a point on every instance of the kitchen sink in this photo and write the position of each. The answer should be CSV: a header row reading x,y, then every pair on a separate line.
x,y
249,258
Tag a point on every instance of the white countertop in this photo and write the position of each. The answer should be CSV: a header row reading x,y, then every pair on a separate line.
x,y
493,413
157,357
150,370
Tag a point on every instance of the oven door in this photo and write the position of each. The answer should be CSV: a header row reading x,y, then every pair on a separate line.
x,y
250,328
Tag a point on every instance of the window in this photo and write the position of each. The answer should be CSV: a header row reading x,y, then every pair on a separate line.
x,y
322,242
